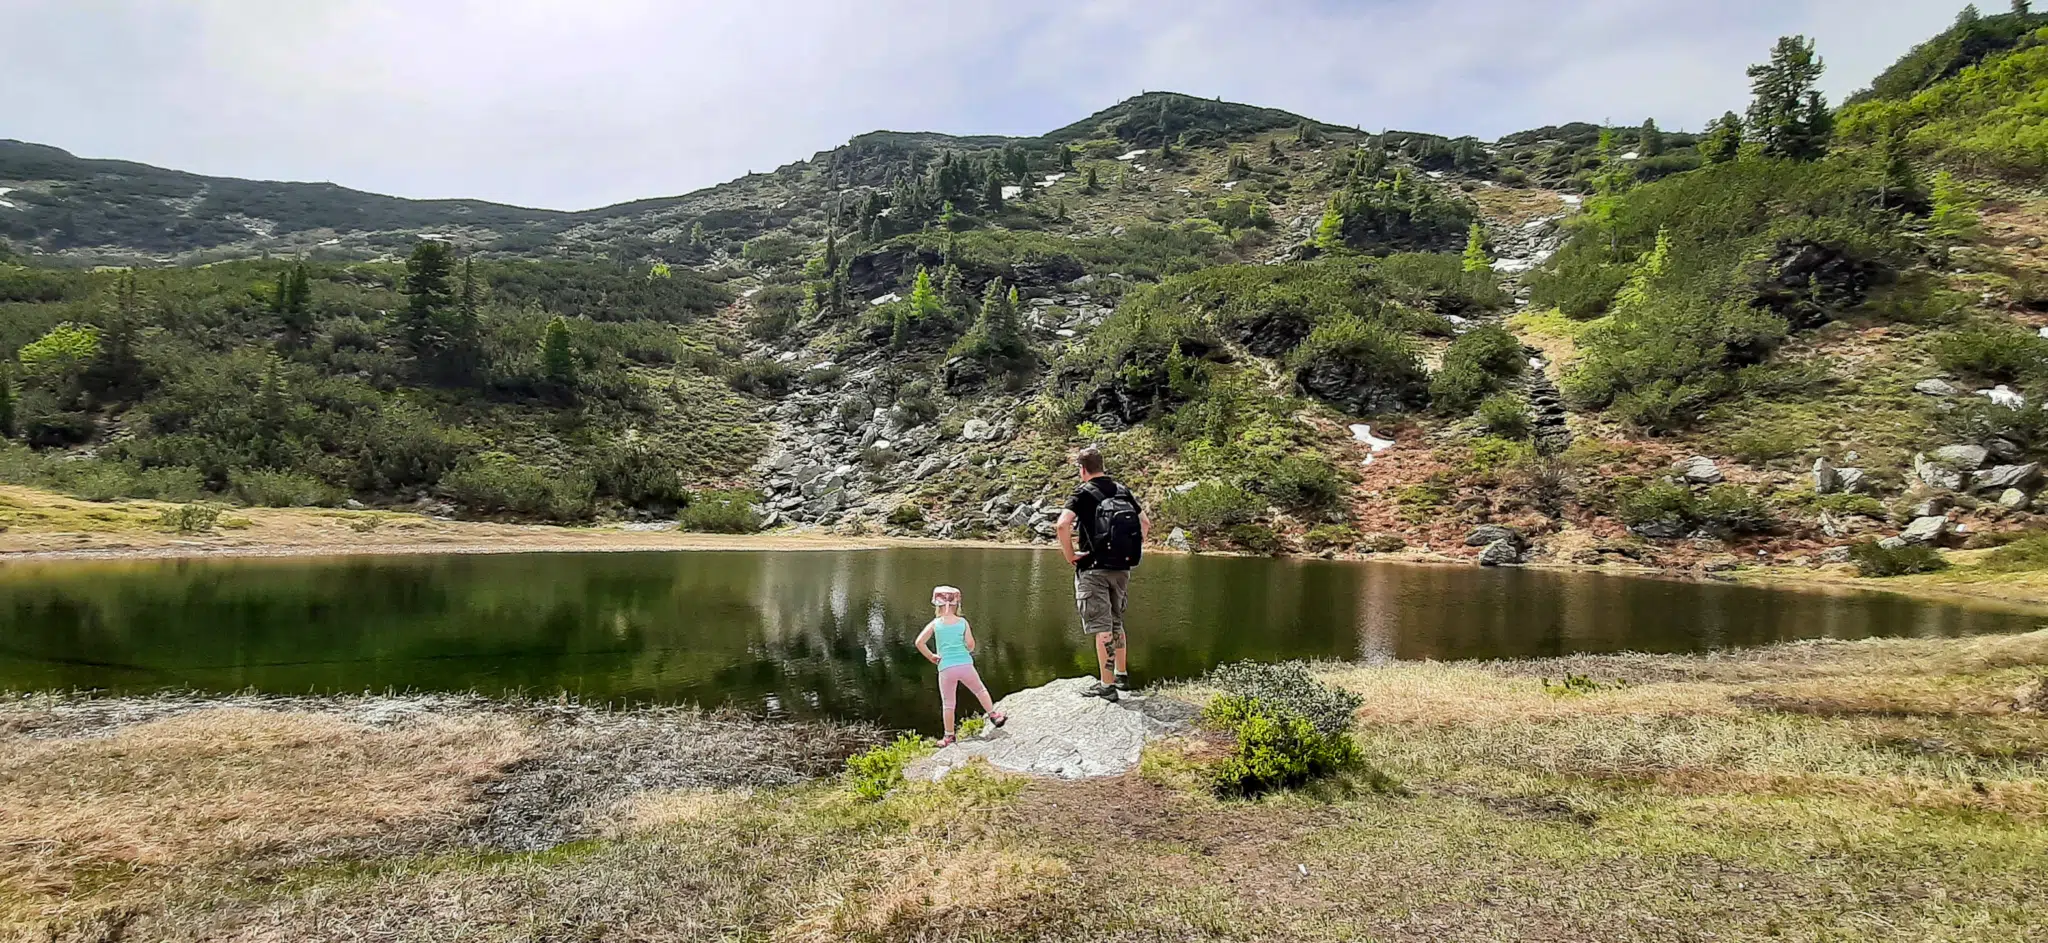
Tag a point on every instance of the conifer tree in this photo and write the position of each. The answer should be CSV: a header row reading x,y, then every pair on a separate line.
x,y
466,331
7,400
1330,231
997,327
1723,142
558,354
992,195
1955,210
831,250
924,299
2022,8
1968,17
1475,250
953,289
427,299
1274,154
116,370
1651,139
1899,184
1017,162
1066,159
1789,118
836,302
272,407
1060,213
1090,184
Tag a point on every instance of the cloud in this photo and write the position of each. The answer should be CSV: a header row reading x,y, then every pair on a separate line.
x,y
576,103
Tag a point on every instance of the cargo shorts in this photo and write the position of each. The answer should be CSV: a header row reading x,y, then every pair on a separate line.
x,y
1100,595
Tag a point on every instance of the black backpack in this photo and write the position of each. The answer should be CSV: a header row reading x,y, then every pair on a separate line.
x,y
1116,539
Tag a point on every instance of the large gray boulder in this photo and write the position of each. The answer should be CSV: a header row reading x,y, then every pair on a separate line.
x,y
1826,478
1699,470
1966,457
1934,387
1056,730
1925,530
1937,474
1852,480
1488,534
2001,477
1501,552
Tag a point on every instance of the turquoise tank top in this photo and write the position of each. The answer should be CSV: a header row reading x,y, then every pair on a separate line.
x,y
949,639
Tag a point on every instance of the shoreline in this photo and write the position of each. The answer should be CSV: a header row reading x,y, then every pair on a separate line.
x,y
125,531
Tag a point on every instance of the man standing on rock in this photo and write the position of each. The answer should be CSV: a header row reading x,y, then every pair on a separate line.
x,y
1112,531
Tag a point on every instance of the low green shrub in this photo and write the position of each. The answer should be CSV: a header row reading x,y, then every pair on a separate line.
x,y
1208,507
872,773
1275,750
759,377
1762,444
640,475
1995,355
1303,483
722,512
907,514
1289,687
1480,362
2029,552
189,518
1729,507
1330,537
1255,539
1735,508
1505,415
1875,559
282,489
497,483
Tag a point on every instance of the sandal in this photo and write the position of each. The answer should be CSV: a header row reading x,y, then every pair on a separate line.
x,y
999,719
949,741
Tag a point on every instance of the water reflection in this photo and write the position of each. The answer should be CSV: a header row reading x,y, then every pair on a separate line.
x,y
830,633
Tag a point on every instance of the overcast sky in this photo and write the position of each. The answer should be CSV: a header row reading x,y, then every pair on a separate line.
x,y
573,104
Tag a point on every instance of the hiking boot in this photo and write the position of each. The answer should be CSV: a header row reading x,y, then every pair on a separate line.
x,y
1106,692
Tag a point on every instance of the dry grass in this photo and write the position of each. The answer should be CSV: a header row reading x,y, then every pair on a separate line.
x,y
1882,790
230,786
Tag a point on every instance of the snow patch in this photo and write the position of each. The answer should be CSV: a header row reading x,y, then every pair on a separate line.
x,y
1134,155
1572,199
1363,433
1011,193
885,299
1229,185
1632,155
1051,179
2002,395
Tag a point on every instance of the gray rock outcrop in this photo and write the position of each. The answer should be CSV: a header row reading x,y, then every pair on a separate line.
x,y
1501,552
1934,387
2002,477
1826,478
1966,457
1699,470
1055,730
1925,530
1488,534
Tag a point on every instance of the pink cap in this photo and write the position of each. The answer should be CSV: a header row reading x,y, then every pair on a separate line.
x,y
945,595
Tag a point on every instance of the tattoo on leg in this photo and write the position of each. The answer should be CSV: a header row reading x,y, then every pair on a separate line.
x,y
1111,641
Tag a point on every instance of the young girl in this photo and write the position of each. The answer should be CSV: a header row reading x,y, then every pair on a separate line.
x,y
955,657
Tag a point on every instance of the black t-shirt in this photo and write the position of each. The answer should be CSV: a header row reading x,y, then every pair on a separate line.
x,y
1083,504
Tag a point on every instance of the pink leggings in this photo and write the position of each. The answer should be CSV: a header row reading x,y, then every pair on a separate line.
x,y
950,680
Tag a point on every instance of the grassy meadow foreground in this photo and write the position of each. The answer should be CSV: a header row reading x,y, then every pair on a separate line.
x,y
1882,790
